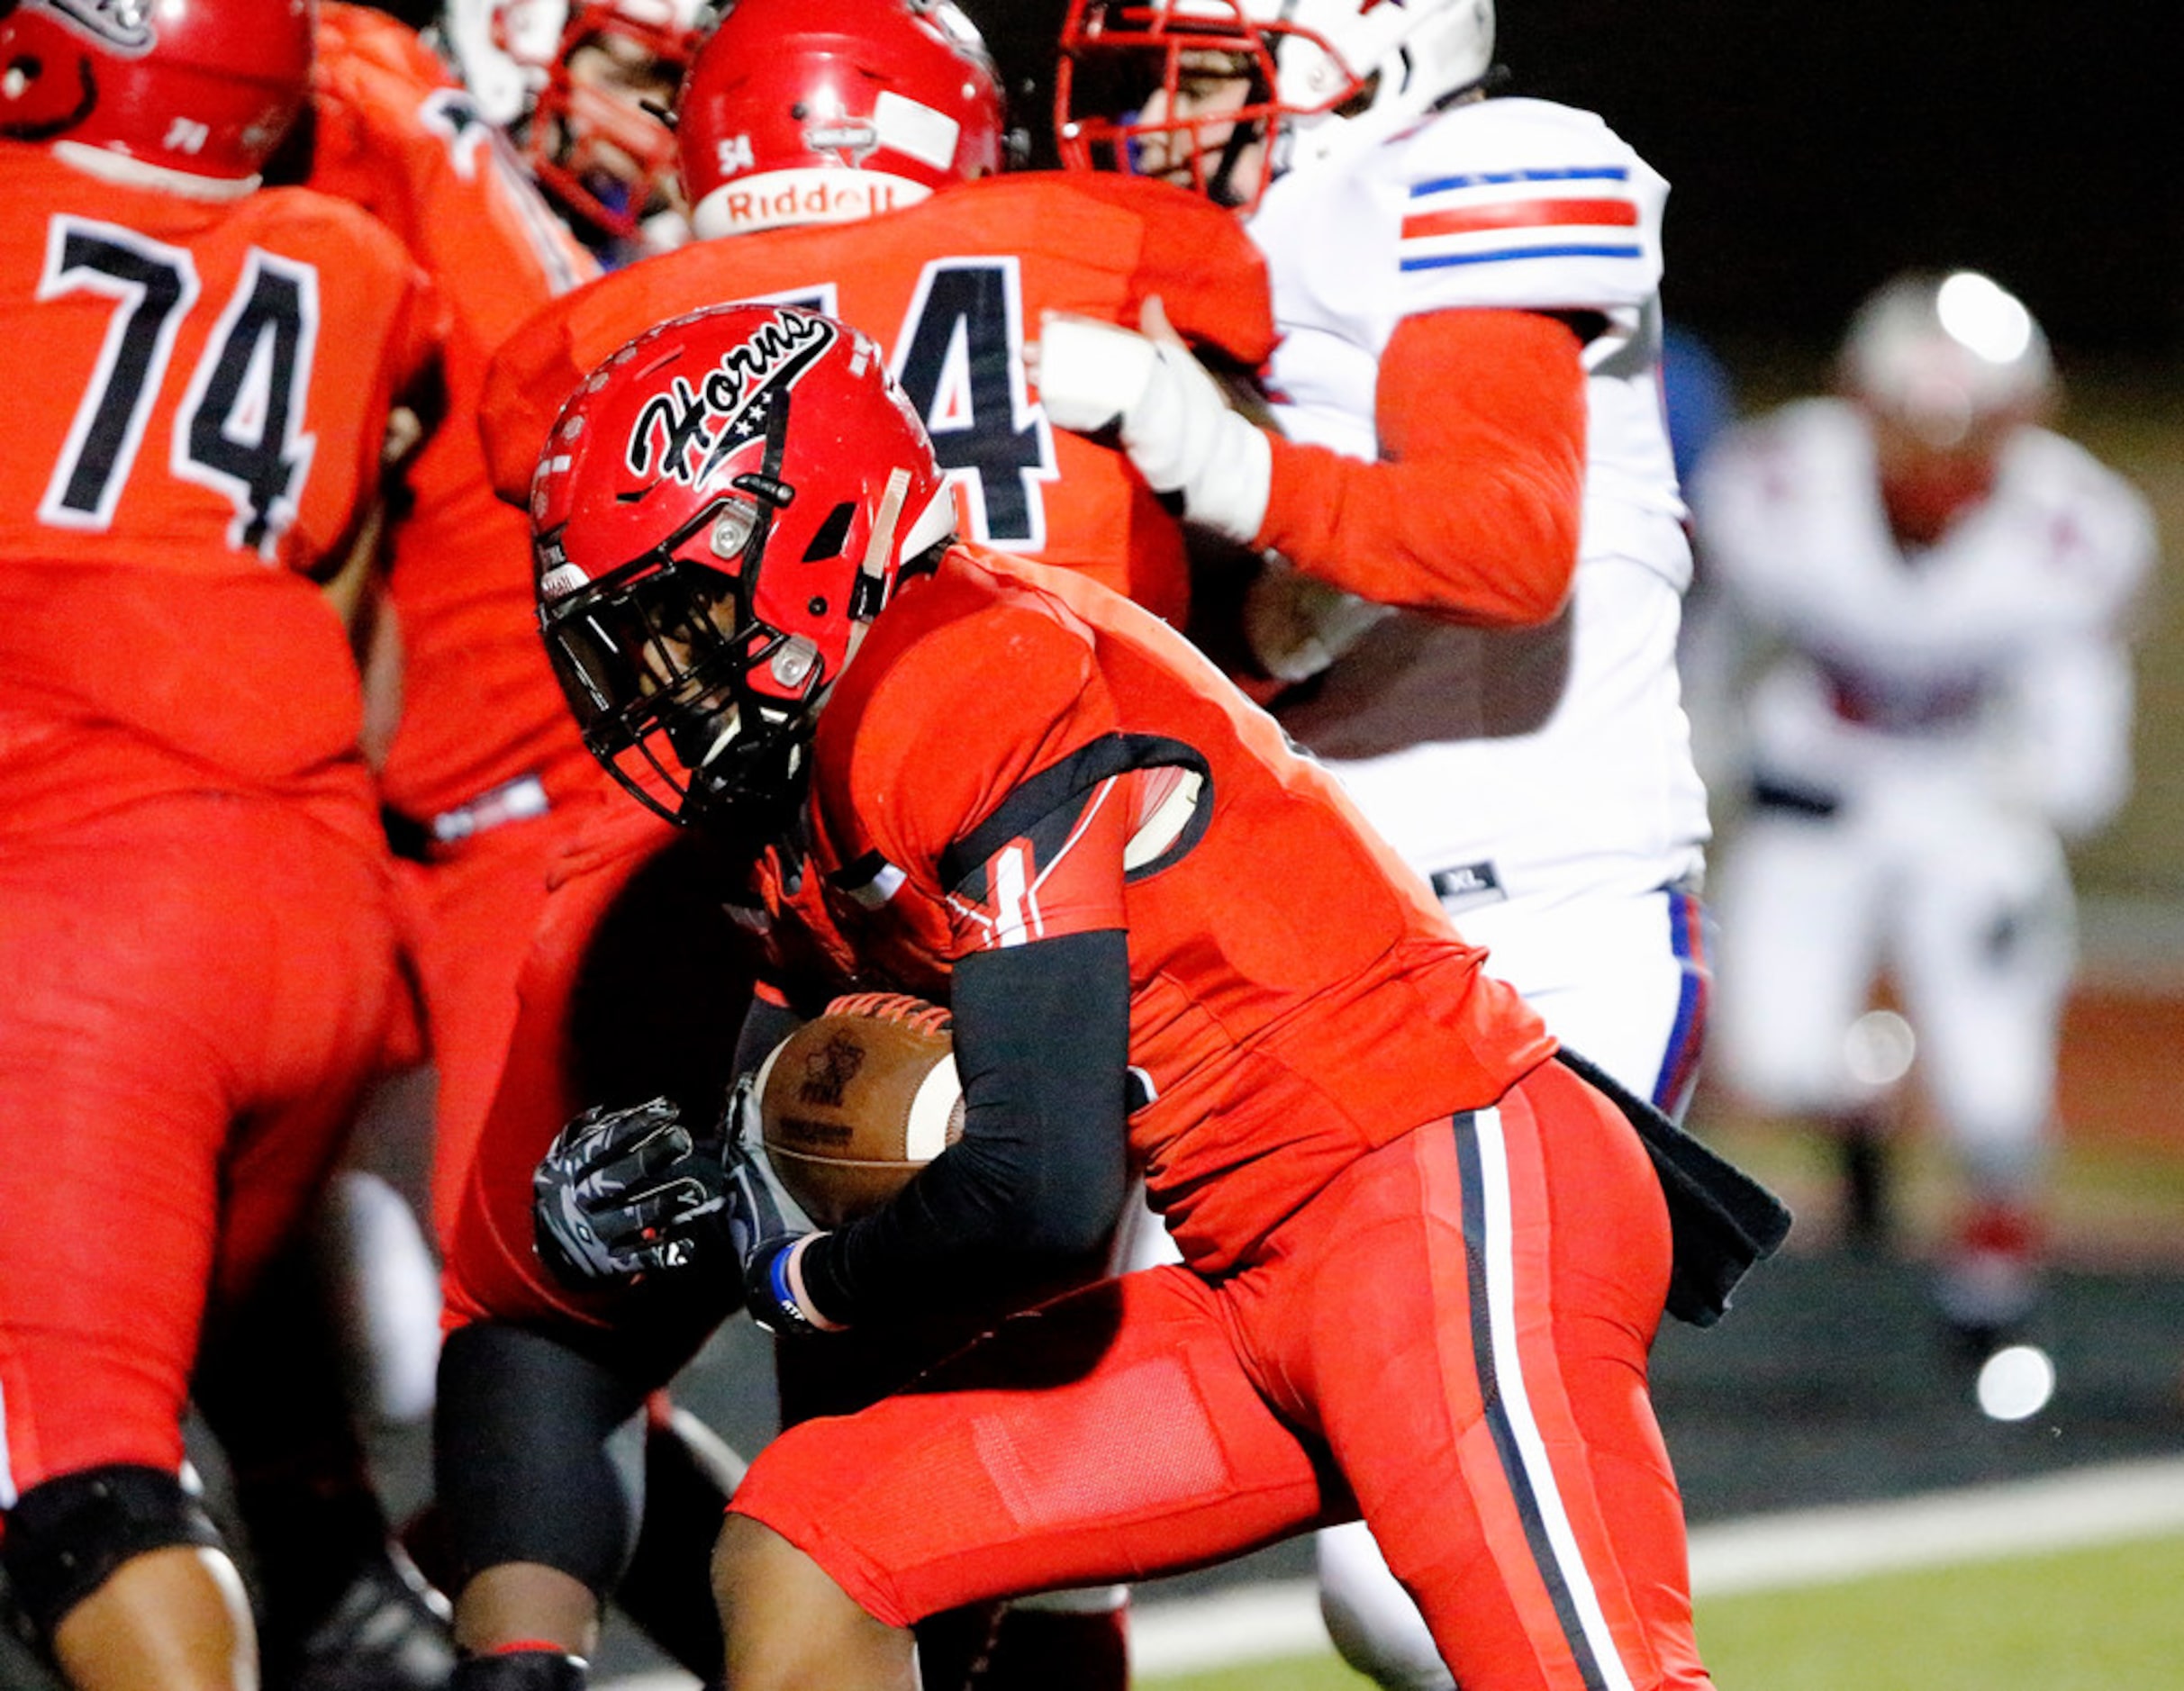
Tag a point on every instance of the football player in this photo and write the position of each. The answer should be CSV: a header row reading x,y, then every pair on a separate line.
x,y
1945,587
583,87
1423,1258
1468,395
474,750
196,917
480,753
483,776
850,161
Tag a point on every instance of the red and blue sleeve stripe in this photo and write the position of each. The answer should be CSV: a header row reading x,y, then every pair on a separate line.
x,y
1687,939
1496,217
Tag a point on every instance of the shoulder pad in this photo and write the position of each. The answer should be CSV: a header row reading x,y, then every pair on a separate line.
x,y
1523,204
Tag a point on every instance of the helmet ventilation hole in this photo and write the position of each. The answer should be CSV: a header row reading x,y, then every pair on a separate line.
x,y
833,534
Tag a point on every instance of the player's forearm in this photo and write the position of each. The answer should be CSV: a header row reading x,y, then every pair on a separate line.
x,y
1489,538
2072,760
1474,509
1042,1038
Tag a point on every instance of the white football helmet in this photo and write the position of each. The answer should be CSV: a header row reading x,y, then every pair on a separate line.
x,y
504,51
1361,69
1345,72
1944,354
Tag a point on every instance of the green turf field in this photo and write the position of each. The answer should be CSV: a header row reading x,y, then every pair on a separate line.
x,y
2097,1620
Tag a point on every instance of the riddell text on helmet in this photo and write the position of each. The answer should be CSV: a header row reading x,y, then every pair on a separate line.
x,y
830,197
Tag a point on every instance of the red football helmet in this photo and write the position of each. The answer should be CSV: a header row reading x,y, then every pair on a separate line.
x,y
721,508
1121,60
205,88
796,113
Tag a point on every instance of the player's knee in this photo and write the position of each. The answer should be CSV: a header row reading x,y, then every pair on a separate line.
x,y
741,1555
66,1536
786,1624
1373,1624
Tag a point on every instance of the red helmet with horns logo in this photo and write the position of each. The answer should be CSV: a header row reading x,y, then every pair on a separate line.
x,y
721,508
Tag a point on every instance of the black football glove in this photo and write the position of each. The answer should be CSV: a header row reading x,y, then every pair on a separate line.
x,y
767,1227
623,1193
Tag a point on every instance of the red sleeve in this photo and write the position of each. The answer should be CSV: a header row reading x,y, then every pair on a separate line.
x,y
1048,862
423,334
1209,277
1156,238
1472,512
976,764
526,385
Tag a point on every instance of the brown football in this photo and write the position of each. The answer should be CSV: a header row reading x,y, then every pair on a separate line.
x,y
852,1103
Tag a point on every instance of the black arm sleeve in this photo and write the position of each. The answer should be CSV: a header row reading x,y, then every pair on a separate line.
x,y
1042,1046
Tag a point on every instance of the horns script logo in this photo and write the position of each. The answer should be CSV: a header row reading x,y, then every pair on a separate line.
x,y
687,429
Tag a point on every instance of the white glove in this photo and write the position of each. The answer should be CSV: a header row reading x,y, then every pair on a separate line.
x,y
1175,421
1296,627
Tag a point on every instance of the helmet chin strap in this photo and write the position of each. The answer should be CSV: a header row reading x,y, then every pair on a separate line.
x,y
1220,187
868,596
872,571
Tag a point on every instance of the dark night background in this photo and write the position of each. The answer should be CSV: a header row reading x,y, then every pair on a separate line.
x,y
1815,149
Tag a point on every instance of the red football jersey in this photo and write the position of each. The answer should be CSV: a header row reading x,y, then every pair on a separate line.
x,y
212,381
952,287
395,135
1298,996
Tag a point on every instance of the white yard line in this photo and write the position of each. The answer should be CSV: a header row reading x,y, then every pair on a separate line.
x,y
2026,1517
1801,1547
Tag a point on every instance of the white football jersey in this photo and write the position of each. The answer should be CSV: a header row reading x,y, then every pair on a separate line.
x,y
1996,657
1534,764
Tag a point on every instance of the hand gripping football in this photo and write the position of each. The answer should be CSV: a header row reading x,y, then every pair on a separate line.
x,y
857,1100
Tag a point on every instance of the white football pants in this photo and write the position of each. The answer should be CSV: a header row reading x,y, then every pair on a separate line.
x,y
1968,910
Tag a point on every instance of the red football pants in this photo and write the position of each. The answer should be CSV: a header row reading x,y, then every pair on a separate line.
x,y
199,990
475,912
633,982
1454,1333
